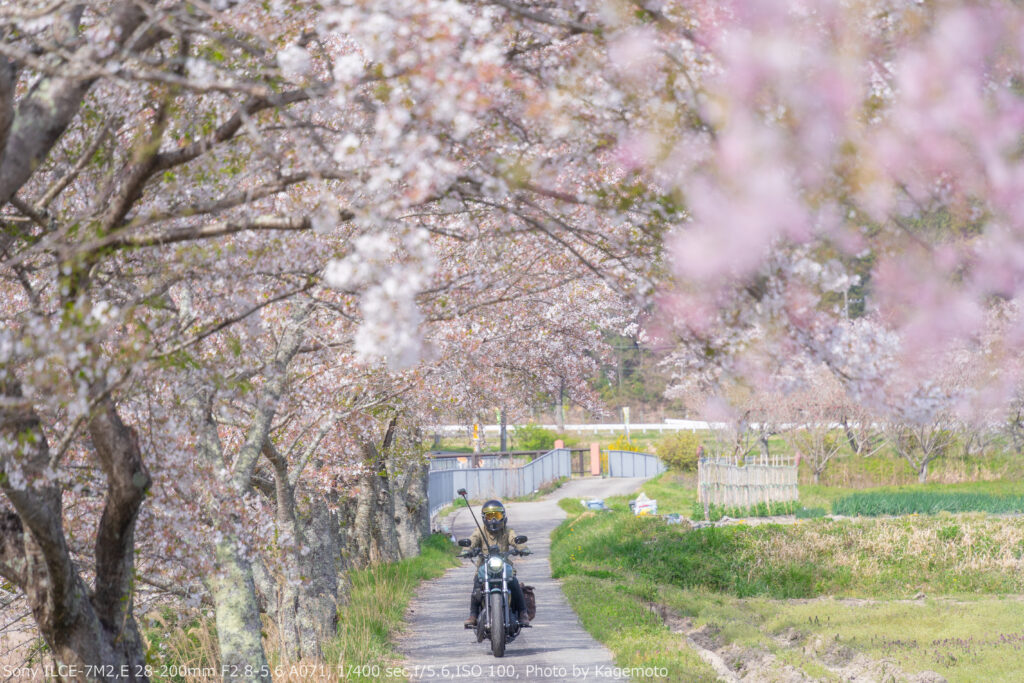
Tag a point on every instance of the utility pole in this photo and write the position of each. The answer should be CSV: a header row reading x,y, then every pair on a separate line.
x,y
503,422
560,411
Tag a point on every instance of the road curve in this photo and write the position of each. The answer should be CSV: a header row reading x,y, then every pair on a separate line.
x,y
557,648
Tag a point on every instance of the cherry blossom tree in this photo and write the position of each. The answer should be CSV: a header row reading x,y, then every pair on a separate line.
x,y
177,178
814,415
240,236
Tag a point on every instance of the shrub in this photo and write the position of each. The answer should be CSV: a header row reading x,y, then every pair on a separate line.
x,y
621,443
679,451
533,437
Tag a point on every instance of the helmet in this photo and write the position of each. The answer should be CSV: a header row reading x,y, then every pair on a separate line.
x,y
493,513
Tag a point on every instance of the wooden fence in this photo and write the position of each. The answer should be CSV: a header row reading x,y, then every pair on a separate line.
x,y
727,483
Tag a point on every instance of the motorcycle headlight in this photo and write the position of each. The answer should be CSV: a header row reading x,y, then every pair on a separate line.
x,y
495,564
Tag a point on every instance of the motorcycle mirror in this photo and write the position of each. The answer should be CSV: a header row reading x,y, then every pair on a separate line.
x,y
465,542
461,492
519,539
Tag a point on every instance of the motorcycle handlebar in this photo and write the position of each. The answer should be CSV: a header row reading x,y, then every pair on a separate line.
x,y
477,551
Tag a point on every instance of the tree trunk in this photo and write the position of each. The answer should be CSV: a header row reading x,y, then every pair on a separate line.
x,y
385,533
412,516
233,588
239,629
319,593
83,628
376,539
922,473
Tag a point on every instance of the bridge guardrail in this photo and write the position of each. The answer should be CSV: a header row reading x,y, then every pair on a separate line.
x,y
496,482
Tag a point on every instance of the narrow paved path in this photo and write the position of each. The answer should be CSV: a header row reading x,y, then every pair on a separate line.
x,y
436,645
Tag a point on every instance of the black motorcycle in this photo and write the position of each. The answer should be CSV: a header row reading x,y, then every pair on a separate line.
x,y
497,620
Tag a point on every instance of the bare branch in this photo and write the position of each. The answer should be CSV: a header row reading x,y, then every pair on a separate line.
x,y
572,26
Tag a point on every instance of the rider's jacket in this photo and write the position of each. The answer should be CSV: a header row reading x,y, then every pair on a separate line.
x,y
503,540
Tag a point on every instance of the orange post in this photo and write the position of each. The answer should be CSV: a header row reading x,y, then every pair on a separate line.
x,y
595,459
559,443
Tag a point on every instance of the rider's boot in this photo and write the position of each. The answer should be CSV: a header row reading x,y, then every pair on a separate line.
x,y
524,620
471,622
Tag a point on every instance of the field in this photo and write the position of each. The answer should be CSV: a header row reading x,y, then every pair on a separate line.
x,y
829,599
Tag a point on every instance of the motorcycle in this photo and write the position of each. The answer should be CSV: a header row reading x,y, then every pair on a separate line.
x,y
497,620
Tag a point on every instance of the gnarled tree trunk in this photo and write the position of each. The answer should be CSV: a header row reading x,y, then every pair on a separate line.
x,y
412,516
83,628
375,536
304,599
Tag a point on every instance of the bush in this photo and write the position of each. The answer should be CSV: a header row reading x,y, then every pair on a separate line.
x,y
679,451
533,437
621,443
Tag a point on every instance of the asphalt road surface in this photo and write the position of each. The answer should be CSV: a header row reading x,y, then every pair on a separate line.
x,y
557,648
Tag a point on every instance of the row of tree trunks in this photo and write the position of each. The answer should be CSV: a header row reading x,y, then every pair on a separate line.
x,y
384,522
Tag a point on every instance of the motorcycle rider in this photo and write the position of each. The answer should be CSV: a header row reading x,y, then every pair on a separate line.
x,y
496,533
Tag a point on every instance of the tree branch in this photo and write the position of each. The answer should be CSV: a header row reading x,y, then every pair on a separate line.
x,y
50,105
227,130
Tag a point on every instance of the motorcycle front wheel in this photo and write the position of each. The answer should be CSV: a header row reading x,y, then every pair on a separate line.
x,y
496,615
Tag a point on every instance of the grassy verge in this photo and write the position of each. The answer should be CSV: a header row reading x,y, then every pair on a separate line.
x,y
456,504
377,603
634,634
863,558
613,614
757,586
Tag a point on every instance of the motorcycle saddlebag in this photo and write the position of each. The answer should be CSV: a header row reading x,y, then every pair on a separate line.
x,y
531,602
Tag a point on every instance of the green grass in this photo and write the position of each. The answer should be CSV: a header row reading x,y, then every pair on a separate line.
x,y
809,513
717,512
634,634
977,640
675,492
966,640
868,558
920,501
377,604
756,582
